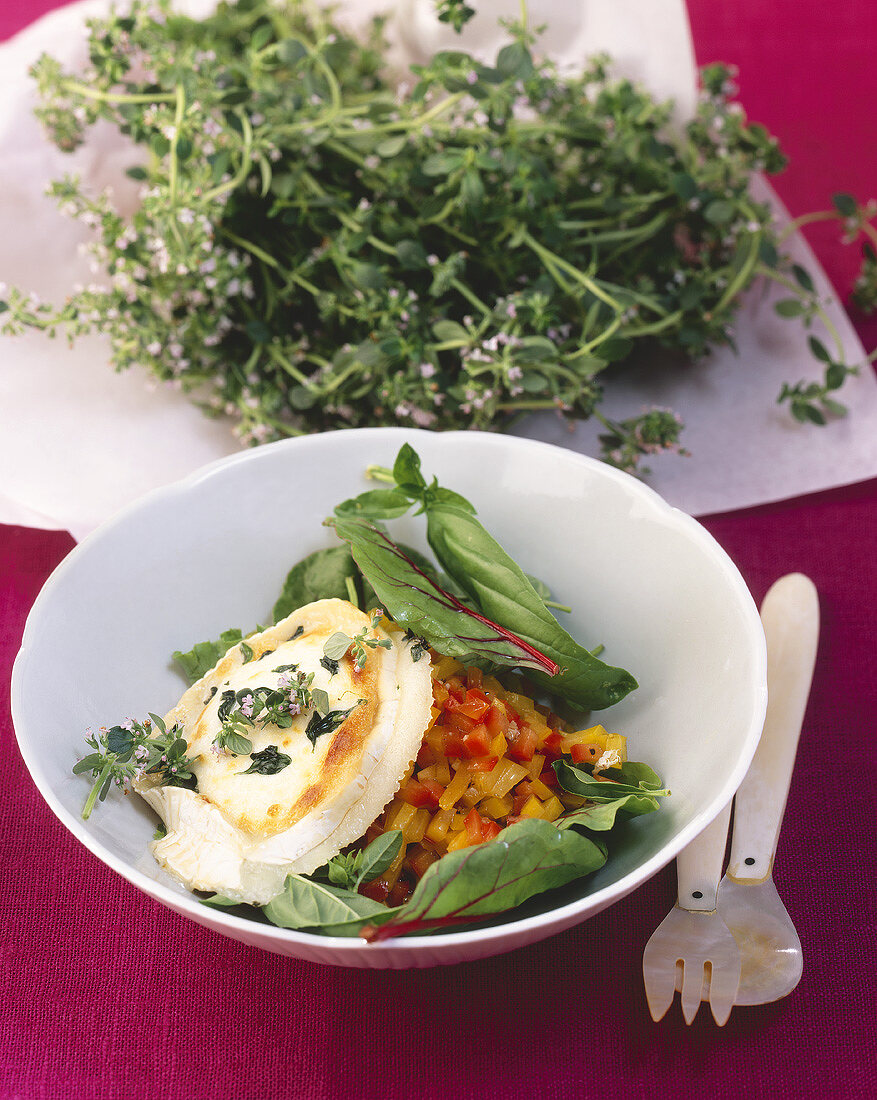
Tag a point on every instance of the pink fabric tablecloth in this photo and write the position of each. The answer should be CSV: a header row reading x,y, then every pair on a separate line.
x,y
103,993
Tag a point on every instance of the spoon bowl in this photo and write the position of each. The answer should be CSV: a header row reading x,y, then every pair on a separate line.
x,y
770,950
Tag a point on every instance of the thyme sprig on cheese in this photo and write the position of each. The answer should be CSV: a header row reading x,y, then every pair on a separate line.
x,y
258,707
340,643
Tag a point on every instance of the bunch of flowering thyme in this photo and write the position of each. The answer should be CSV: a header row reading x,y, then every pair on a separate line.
x,y
316,248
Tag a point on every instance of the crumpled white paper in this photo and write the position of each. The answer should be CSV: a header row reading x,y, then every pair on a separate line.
x,y
78,441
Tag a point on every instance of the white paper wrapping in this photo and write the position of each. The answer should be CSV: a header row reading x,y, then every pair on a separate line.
x,y
79,441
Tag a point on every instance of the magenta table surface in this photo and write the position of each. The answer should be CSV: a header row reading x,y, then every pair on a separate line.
x,y
104,993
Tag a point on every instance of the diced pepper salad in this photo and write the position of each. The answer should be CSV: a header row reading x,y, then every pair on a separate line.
x,y
484,763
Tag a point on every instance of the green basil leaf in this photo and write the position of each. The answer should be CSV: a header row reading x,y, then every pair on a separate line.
x,y
377,857
527,858
327,910
376,504
406,471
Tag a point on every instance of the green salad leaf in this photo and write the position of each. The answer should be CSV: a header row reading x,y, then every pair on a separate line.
x,y
414,600
485,573
204,655
324,575
631,778
322,908
527,858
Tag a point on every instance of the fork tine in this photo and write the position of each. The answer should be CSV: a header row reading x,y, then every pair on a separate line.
x,y
692,987
724,983
660,983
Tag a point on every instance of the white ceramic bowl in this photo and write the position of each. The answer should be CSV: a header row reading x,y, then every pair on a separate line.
x,y
211,552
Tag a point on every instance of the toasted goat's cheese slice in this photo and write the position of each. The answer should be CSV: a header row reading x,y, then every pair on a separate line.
x,y
242,833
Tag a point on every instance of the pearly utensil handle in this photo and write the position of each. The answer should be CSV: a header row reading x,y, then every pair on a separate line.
x,y
790,617
699,866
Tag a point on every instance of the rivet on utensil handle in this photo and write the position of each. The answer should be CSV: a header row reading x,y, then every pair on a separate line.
x,y
699,866
790,614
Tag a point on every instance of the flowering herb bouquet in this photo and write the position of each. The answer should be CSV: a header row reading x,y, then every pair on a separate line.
x,y
316,247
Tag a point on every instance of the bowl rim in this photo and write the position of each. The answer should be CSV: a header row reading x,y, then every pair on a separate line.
x,y
555,919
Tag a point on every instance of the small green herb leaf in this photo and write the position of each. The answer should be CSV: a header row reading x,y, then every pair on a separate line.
x,y
320,724
234,742
337,645
269,761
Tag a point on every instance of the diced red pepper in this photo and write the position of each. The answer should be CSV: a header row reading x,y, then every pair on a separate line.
x,y
400,893
496,720
553,744
422,793
477,742
426,755
452,743
490,830
584,754
455,719
519,798
377,890
549,778
420,861
474,824
522,742
483,764
475,705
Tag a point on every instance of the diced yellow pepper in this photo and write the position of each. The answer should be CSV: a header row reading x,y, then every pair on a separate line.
x,y
414,832
532,807
460,840
539,789
455,789
498,746
470,796
596,735
552,809
506,775
400,816
484,781
445,667
535,766
521,704
496,807
438,827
